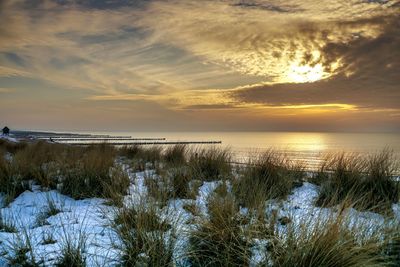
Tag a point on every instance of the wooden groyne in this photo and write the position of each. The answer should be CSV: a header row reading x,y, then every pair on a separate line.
x,y
100,139
145,143
46,137
57,139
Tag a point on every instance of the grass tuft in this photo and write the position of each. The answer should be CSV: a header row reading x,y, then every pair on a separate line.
x,y
210,164
48,238
327,242
21,251
366,181
220,239
147,239
180,178
11,183
142,157
7,224
73,248
158,188
269,176
93,174
175,155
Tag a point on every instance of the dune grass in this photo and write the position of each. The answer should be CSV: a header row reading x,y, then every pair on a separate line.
x,y
147,239
131,151
366,181
219,240
11,147
159,188
175,155
181,183
73,248
79,172
180,179
392,246
22,251
332,241
7,224
93,174
51,209
11,183
141,157
268,176
173,183
225,235
48,238
210,164
38,162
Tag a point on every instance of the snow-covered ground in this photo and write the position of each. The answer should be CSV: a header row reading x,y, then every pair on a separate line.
x,y
90,220
76,220
9,138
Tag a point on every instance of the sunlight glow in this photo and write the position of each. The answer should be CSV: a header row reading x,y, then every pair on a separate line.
x,y
323,106
306,73
315,107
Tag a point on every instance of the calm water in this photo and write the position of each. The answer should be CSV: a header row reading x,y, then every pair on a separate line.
x,y
303,146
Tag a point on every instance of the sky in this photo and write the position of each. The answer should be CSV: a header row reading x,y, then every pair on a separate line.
x,y
200,65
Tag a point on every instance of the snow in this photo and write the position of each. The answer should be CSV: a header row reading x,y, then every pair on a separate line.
x,y
396,210
9,138
204,191
300,209
87,219
90,220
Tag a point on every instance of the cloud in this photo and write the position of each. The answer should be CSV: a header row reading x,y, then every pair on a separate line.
x,y
264,41
369,76
104,50
248,61
182,100
10,72
5,90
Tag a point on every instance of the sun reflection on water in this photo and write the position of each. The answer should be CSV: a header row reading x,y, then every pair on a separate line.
x,y
312,142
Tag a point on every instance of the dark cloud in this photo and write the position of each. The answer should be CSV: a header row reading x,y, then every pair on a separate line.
x,y
267,6
14,58
105,4
369,76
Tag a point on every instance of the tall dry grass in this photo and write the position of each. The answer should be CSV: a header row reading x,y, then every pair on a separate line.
x,y
11,147
180,178
147,239
175,155
209,164
10,183
220,239
76,171
73,249
38,162
366,181
141,157
93,173
158,189
268,176
329,242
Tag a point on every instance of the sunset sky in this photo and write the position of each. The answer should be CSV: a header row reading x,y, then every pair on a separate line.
x,y
191,65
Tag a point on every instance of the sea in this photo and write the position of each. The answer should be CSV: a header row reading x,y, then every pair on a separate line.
x,y
309,148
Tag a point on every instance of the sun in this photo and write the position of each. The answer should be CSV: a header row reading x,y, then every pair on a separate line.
x,y
305,73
